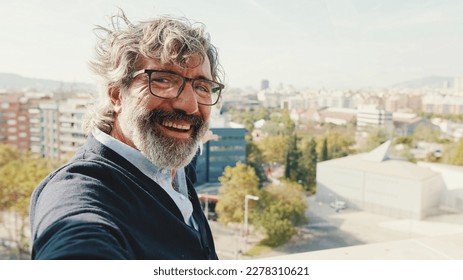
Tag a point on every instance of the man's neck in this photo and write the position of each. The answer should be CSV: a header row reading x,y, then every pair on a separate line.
x,y
116,133
173,174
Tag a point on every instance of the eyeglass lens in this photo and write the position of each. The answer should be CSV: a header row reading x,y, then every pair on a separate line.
x,y
169,85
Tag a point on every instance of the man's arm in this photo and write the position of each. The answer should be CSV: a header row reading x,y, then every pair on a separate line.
x,y
76,239
72,217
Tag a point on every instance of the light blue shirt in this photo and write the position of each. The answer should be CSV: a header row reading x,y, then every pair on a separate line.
x,y
162,176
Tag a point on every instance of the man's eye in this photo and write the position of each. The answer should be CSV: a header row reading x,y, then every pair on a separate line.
x,y
203,87
162,80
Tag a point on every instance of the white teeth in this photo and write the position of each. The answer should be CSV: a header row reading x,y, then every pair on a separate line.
x,y
185,127
174,125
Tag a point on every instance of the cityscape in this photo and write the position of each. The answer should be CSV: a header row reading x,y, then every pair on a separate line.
x,y
335,133
377,199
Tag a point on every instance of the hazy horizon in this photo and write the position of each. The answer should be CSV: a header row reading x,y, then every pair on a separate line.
x,y
17,81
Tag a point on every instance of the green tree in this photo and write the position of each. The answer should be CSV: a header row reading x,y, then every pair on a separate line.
x,y
404,153
243,117
426,132
236,183
432,157
287,122
308,166
262,113
338,144
293,156
324,155
255,158
274,148
18,178
279,209
280,123
456,154
374,139
7,154
405,140
249,117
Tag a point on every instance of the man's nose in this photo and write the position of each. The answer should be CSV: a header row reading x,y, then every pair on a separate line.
x,y
186,101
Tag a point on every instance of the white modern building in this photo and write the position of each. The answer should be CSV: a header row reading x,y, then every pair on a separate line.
x,y
452,197
374,117
375,183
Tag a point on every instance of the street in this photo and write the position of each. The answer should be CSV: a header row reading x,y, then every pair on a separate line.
x,y
328,229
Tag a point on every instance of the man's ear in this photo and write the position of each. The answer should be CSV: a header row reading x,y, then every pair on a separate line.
x,y
116,98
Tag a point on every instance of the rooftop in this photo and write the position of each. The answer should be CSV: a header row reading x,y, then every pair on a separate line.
x,y
444,247
377,161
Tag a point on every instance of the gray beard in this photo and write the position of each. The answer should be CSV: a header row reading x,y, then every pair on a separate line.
x,y
163,151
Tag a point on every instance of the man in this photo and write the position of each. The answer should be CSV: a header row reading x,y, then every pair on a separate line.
x,y
124,195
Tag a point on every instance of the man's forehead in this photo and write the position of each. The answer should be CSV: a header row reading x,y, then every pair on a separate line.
x,y
194,62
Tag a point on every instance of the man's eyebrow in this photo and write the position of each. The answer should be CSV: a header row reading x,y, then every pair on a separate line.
x,y
173,72
203,78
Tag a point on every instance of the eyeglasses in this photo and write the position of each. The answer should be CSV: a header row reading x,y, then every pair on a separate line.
x,y
169,85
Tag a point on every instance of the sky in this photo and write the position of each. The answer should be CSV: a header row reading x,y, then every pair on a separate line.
x,y
303,43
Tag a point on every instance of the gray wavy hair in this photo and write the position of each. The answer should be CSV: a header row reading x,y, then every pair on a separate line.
x,y
122,44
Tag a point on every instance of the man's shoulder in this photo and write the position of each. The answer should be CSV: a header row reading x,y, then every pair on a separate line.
x,y
91,166
84,163
86,181
97,159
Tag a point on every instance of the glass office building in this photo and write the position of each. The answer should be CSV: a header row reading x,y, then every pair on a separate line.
x,y
216,155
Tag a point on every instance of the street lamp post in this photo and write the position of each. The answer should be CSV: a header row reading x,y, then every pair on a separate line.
x,y
246,198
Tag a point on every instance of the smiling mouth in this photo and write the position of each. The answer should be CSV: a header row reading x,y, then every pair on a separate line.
x,y
176,127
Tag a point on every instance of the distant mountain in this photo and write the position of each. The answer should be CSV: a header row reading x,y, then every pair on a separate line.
x,y
16,82
10,81
427,82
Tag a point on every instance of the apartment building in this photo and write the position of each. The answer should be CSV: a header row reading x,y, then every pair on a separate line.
x,y
70,117
443,104
49,128
60,126
19,119
41,124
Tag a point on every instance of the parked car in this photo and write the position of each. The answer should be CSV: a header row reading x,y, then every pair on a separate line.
x,y
338,205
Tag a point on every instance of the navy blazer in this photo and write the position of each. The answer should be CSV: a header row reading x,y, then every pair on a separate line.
x,y
100,206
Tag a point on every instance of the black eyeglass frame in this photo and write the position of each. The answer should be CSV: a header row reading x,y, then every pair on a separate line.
x,y
149,72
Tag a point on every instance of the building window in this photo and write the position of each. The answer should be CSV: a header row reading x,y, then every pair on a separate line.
x,y
226,148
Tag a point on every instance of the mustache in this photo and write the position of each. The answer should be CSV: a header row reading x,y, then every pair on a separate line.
x,y
176,115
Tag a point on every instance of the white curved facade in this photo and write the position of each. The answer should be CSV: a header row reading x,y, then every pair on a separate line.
x,y
375,183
